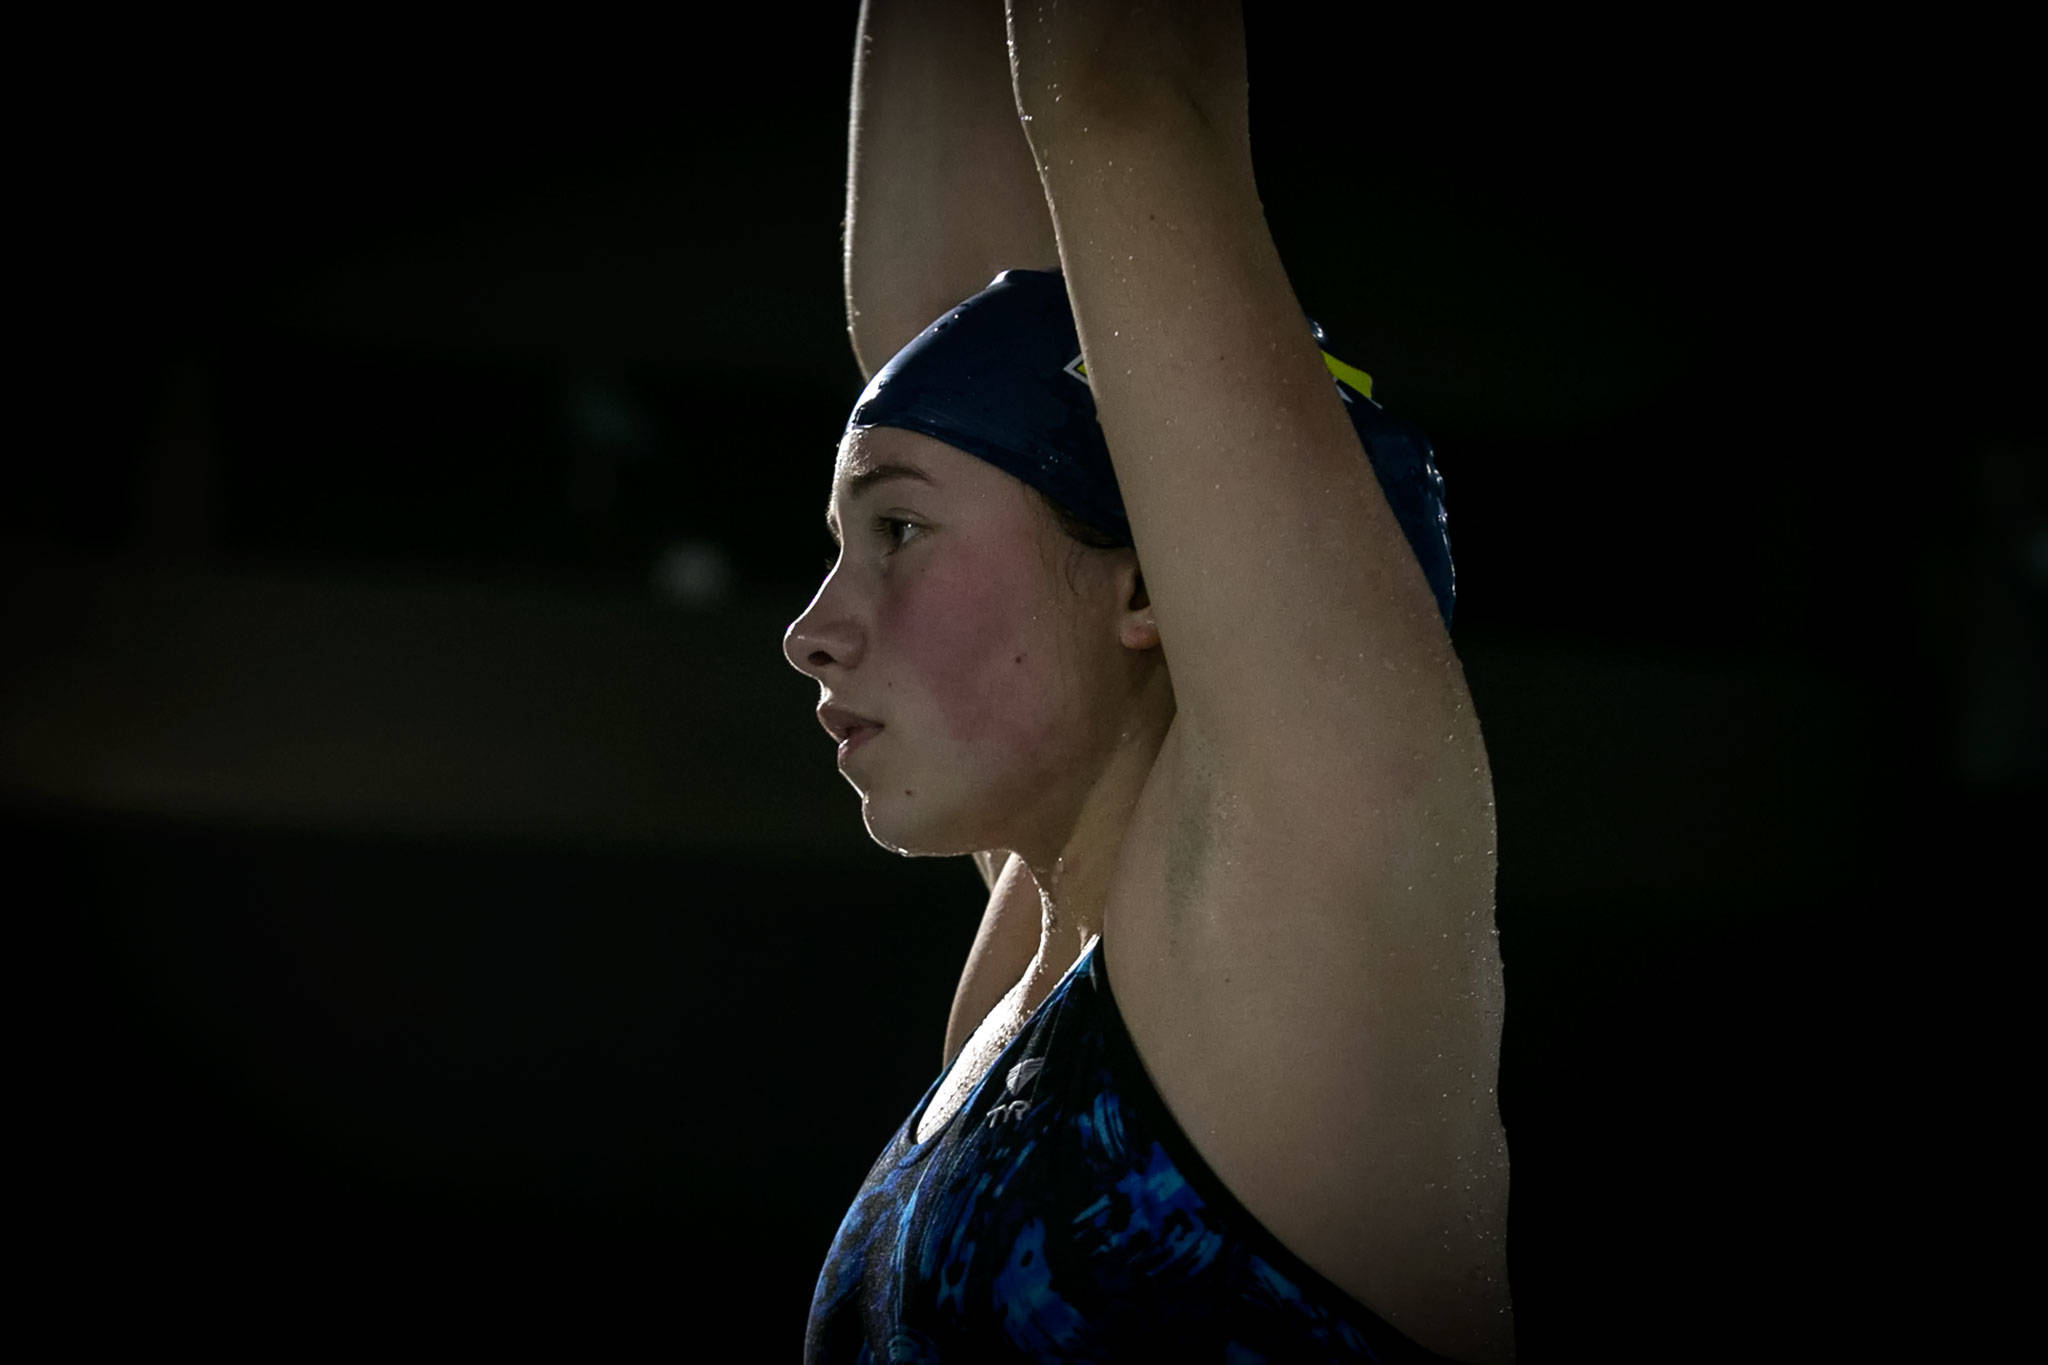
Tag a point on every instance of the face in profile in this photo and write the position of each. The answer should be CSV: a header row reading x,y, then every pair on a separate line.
x,y
948,618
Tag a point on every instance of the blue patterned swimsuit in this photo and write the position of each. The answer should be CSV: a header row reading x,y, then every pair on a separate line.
x,y
1062,1215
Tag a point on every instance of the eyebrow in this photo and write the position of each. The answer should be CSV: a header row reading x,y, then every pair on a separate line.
x,y
871,477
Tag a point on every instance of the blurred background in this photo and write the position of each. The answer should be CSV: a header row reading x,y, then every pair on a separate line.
x,y
437,907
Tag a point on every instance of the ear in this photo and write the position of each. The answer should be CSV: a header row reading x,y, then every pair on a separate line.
x,y
1136,629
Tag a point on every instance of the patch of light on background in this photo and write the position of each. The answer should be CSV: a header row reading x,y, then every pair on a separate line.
x,y
692,573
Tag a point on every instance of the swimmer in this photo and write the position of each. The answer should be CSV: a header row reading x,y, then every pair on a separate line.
x,y
1143,602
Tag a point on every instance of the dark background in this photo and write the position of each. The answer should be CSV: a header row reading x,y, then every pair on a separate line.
x,y
437,912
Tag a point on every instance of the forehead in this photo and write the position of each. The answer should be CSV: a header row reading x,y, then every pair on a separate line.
x,y
864,462
871,447
912,464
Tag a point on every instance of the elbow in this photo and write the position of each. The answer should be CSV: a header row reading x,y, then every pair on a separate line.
x,y
1128,72
1110,112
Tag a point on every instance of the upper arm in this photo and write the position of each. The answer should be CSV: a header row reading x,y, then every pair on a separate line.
x,y
989,863
941,193
1004,945
1299,628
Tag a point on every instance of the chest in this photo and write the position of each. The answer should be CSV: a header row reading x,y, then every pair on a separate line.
x,y
997,1030
1069,1216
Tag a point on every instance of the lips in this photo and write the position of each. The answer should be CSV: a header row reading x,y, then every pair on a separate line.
x,y
861,735
843,724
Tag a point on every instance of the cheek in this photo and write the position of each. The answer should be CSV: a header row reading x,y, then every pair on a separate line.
x,y
969,638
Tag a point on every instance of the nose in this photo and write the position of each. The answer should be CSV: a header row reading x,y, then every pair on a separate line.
x,y
825,635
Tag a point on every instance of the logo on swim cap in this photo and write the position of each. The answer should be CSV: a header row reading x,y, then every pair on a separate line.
x,y
1075,368
1352,379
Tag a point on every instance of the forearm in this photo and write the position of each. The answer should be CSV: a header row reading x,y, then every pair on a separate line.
x,y
1087,68
941,191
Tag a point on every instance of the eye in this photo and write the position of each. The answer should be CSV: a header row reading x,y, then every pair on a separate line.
x,y
882,527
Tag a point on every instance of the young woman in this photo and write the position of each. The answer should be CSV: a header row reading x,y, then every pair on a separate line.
x,y
1143,609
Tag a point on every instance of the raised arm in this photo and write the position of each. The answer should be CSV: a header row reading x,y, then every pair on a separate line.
x,y
1298,625
1327,964
941,193
1004,945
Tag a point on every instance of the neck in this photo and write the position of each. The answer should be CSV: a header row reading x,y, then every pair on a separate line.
x,y
1074,881
1070,915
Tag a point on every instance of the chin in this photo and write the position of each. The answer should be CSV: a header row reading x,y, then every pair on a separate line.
x,y
913,827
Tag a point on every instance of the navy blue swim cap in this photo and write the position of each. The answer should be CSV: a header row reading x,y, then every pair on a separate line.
x,y
1000,377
